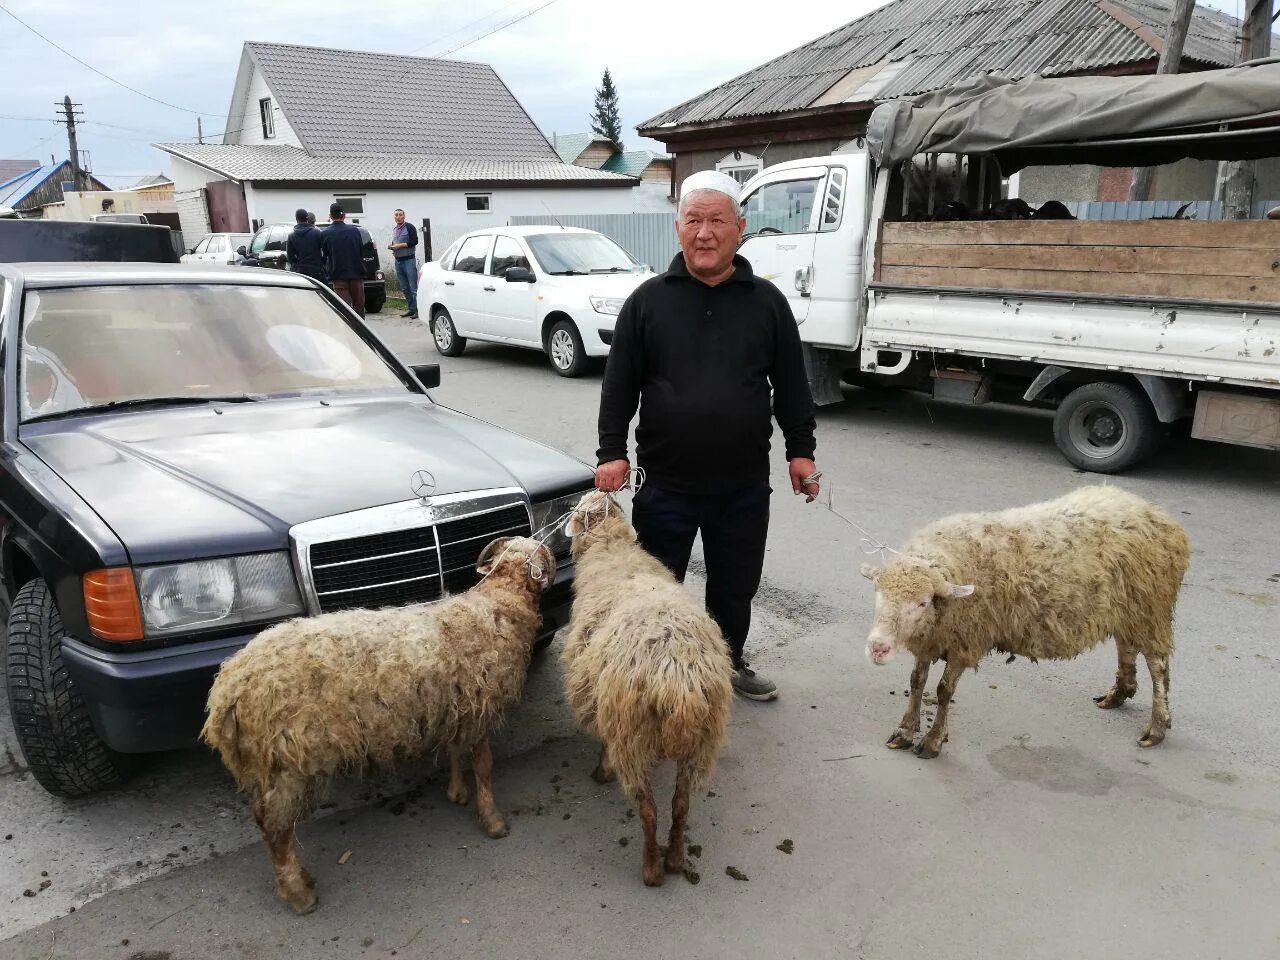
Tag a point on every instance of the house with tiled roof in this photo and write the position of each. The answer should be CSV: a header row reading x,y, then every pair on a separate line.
x,y
816,98
445,140
601,153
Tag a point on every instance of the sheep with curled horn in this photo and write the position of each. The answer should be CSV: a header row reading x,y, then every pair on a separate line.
x,y
314,697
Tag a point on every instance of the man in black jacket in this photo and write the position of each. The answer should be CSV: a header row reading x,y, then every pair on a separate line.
x,y
302,248
343,251
700,349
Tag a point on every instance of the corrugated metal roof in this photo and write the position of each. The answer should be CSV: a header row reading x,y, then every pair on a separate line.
x,y
341,102
940,42
21,187
278,162
12,169
632,163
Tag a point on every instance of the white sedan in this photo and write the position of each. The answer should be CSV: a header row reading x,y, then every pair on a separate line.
x,y
216,248
554,289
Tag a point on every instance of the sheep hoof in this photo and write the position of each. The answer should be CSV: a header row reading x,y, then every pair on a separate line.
x,y
601,775
495,829
899,741
673,861
460,795
925,752
301,902
1151,739
654,875
1112,699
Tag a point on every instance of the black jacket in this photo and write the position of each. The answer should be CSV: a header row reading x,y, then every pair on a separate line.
x,y
700,362
343,251
302,251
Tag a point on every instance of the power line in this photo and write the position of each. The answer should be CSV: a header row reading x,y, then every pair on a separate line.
x,y
105,76
36,146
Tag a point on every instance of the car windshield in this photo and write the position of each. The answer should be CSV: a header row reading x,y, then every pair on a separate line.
x,y
569,254
86,347
240,240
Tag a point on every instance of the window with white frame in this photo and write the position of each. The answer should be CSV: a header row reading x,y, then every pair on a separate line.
x,y
740,165
268,114
352,206
478,202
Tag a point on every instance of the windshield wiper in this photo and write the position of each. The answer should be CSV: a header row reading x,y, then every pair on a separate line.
x,y
144,402
611,270
567,273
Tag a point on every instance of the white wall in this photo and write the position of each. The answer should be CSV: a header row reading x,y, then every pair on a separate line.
x,y
188,180
447,210
251,124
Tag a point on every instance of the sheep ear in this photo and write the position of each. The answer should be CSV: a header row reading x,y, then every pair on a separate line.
x,y
956,592
488,556
871,572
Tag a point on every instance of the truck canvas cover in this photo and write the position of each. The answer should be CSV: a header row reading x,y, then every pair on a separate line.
x,y
1231,114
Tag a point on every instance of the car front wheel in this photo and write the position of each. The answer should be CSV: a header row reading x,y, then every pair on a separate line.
x,y
445,334
564,347
50,719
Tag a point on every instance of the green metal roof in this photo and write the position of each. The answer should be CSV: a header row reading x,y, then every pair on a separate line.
x,y
569,146
632,163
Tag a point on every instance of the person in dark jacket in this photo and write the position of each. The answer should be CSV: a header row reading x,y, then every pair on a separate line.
x,y
700,349
342,247
302,248
404,246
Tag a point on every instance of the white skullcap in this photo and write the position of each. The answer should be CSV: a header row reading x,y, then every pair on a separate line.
x,y
711,180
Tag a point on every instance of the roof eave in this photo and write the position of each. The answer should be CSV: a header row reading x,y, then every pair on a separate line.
x,y
476,184
192,160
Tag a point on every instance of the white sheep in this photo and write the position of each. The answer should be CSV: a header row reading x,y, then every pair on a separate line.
x,y
313,697
1048,581
646,671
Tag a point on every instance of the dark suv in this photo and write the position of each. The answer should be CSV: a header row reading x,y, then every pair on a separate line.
x,y
189,454
266,249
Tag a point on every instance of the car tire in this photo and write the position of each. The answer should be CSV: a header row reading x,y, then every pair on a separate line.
x,y
564,350
51,722
1106,427
374,304
445,334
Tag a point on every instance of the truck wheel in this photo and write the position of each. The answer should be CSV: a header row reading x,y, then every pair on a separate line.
x,y
52,725
448,343
1105,427
564,348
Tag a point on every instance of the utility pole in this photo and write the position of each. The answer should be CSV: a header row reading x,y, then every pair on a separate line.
x,y
199,130
1237,176
1175,38
69,118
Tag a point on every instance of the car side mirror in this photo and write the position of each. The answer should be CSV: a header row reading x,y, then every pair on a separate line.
x,y
242,251
428,374
519,275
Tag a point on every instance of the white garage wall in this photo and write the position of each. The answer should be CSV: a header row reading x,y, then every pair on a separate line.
x,y
447,210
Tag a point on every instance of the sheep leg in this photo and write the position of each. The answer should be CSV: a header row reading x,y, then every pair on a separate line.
x,y
1161,720
1126,684
457,790
293,884
491,820
931,745
654,873
905,735
603,773
674,860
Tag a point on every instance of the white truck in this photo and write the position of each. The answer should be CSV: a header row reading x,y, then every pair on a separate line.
x,y
1123,326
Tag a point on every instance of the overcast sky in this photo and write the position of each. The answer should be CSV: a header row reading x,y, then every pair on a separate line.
x,y
661,52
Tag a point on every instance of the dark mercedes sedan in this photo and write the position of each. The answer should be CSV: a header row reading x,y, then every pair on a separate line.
x,y
192,454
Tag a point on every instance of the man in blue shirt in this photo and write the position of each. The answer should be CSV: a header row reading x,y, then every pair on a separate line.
x,y
404,246
342,246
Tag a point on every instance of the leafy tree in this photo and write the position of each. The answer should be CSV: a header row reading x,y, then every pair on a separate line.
x,y
604,120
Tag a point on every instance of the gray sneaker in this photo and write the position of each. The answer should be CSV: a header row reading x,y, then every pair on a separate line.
x,y
752,685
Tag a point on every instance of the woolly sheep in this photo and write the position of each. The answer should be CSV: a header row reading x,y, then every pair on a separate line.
x,y
646,671
314,697
1050,580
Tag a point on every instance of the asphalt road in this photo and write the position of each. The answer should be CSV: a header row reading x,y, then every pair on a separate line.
x,y
1042,831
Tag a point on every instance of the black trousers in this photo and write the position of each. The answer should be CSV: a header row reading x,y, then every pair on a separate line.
x,y
734,525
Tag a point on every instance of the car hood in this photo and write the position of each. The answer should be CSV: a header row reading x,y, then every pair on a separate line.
x,y
211,481
601,284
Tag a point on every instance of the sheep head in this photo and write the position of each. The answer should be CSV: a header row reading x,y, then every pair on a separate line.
x,y
521,559
597,516
907,596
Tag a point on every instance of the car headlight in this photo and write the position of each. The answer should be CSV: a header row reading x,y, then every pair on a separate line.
x,y
547,511
217,593
609,305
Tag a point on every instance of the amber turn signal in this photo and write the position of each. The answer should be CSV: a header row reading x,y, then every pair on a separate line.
x,y
111,604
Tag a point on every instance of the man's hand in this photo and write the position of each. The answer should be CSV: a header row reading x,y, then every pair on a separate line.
x,y
612,475
800,468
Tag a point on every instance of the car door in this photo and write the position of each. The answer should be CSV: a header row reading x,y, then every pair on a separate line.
x,y
216,252
509,305
273,254
465,284
197,252
782,216
257,246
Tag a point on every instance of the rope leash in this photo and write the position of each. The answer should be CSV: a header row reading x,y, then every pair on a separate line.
x,y
868,542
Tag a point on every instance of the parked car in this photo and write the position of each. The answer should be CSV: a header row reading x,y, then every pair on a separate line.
x,y
192,454
80,240
119,218
552,289
266,249
217,248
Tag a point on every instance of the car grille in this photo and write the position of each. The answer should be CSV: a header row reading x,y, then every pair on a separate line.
x,y
408,566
